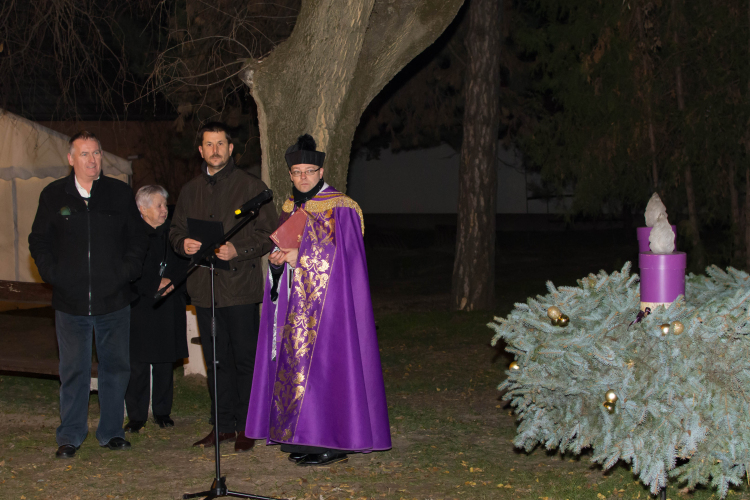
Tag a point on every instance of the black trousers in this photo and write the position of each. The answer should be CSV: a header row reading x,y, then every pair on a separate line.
x,y
236,343
137,394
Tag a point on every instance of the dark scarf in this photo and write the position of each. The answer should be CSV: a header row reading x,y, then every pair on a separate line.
x,y
300,197
221,174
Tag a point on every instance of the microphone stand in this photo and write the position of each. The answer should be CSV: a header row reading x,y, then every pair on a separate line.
x,y
218,487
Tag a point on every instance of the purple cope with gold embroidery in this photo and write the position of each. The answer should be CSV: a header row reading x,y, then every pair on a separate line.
x,y
320,383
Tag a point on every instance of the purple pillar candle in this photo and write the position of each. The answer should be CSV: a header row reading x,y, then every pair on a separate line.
x,y
644,233
662,277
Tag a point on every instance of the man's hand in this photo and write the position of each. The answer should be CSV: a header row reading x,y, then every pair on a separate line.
x,y
164,282
284,255
226,251
191,246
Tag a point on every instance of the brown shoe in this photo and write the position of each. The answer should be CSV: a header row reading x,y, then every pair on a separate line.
x,y
210,440
243,443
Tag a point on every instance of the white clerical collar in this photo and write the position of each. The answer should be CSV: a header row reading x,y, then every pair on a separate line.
x,y
81,190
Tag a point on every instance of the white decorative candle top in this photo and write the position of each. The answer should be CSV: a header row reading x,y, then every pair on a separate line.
x,y
654,208
661,238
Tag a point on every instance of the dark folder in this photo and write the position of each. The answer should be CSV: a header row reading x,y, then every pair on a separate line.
x,y
209,233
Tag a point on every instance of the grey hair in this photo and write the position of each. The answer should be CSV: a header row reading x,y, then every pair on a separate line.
x,y
143,196
84,135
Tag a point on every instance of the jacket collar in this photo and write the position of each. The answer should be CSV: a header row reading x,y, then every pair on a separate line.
x,y
220,175
156,231
70,186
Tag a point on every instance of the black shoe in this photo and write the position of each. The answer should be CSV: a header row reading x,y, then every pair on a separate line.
x,y
163,421
66,451
117,443
134,426
327,458
296,457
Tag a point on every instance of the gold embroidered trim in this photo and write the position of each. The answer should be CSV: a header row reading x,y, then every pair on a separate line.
x,y
311,278
314,206
317,206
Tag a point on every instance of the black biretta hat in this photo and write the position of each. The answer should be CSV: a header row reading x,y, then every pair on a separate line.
x,y
303,152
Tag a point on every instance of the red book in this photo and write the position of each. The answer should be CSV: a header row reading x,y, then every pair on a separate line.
x,y
289,234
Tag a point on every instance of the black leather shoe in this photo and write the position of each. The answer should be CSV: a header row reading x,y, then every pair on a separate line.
x,y
163,421
327,458
134,426
296,457
66,451
117,443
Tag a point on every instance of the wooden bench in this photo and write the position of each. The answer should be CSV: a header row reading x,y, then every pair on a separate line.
x,y
28,338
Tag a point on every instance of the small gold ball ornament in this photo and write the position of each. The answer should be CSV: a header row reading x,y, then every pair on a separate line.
x,y
563,321
611,396
555,322
678,327
514,366
609,406
554,313
664,328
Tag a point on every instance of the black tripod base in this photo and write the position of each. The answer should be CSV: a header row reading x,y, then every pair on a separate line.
x,y
219,489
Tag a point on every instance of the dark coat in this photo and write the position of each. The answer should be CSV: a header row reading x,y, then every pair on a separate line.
x,y
88,253
158,327
215,198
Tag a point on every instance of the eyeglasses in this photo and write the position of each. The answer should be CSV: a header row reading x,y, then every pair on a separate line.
x,y
308,172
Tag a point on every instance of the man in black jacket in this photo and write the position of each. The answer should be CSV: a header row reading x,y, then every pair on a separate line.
x,y
88,243
214,196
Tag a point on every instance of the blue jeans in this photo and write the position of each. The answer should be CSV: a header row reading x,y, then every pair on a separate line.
x,y
112,333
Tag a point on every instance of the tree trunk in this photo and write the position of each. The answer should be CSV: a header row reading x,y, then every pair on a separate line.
x,y
647,74
747,172
695,235
747,212
738,230
320,80
474,268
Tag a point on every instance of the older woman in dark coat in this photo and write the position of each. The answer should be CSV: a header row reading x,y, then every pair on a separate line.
x,y
157,326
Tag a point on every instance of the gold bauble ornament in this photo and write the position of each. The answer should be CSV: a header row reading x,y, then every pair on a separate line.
x,y
664,328
563,321
678,327
609,406
611,396
555,322
554,312
514,366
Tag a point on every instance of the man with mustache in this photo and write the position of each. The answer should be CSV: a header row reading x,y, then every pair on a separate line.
x,y
213,196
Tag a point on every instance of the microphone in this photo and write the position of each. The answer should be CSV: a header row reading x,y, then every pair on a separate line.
x,y
254,204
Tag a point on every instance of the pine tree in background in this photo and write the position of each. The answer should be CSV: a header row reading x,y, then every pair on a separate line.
x,y
680,377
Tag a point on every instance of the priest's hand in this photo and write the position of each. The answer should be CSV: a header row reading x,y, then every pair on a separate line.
x,y
276,258
226,251
290,256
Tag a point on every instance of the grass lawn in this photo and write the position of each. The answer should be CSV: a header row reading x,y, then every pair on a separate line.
x,y
452,434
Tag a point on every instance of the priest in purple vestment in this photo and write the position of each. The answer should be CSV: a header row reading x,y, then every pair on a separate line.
x,y
318,385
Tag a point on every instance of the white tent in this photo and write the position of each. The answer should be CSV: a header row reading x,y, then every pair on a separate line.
x,y
32,156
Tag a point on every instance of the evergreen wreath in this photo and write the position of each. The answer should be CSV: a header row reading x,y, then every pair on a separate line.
x,y
679,377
